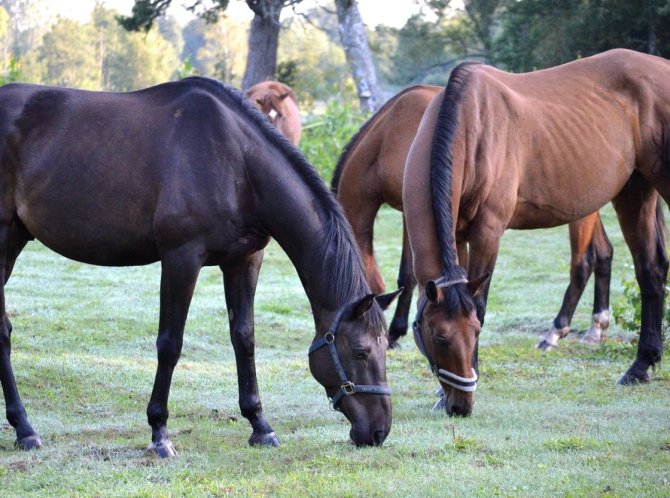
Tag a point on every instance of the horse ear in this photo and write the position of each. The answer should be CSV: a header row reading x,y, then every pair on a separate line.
x,y
259,101
385,300
477,285
362,306
431,291
282,97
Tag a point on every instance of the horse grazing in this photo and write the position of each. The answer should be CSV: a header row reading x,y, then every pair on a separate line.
x,y
278,102
369,173
496,150
189,174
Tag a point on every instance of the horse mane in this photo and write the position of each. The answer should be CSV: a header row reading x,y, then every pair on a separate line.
x,y
457,299
356,137
345,263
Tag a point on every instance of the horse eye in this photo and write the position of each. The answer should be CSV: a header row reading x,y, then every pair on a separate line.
x,y
442,342
360,355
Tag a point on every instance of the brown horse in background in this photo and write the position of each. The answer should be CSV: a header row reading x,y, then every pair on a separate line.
x,y
369,173
279,103
496,150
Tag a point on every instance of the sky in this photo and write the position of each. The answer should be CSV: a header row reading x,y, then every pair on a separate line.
x,y
373,12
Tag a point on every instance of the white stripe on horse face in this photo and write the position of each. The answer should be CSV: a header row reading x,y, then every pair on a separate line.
x,y
272,113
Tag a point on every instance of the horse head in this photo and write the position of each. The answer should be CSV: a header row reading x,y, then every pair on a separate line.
x,y
446,331
349,361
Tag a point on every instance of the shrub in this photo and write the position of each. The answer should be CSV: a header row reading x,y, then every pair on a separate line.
x,y
325,135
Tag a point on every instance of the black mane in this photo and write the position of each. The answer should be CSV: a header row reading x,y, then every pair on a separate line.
x,y
345,263
457,298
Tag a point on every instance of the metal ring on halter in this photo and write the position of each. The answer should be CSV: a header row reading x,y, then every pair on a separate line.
x,y
347,388
467,384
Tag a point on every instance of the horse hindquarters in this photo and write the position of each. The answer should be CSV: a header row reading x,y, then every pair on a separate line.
x,y
636,209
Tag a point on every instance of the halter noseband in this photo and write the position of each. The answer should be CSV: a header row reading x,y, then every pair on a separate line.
x,y
347,388
467,384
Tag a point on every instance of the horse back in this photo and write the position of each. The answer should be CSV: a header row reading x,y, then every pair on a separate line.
x,y
552,146
113,178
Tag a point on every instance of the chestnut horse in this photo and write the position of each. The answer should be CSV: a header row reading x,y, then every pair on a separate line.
x,y
369,173
189,174
496,150
278,102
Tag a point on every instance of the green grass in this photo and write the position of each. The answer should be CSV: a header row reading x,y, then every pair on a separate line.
x,y
544,424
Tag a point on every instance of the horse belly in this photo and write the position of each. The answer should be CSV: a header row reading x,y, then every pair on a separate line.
x,y
80,221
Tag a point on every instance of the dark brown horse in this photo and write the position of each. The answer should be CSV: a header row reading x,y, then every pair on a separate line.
x,y
188,174
369,173
279,103
496,150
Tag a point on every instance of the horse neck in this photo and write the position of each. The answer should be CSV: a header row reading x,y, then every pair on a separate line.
x,y
308,226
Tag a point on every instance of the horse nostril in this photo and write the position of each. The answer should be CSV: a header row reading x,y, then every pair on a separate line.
x,y
378,437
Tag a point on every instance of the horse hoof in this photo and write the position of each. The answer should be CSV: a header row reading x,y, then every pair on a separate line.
x,y
29,443
162,449
545,345
630,379
592,337
268,439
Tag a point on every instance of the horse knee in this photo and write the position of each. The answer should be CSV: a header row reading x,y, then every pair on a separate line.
x,y
169,350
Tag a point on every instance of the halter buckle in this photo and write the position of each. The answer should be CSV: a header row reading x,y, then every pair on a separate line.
x,y
329,337
349,388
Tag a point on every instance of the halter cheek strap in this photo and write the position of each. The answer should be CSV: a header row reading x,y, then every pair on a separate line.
x,y
467,384
347,388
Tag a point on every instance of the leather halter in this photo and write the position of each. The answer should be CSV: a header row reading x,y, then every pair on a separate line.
x,y
347,388
467,384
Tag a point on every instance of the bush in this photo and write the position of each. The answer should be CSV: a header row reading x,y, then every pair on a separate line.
x,y
325,135
628,309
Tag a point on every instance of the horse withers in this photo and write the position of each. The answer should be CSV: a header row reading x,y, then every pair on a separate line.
x,y
279,103
189,174
496,150
369,173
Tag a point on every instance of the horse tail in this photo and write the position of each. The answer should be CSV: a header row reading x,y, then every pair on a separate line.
x,y
358,136
441,166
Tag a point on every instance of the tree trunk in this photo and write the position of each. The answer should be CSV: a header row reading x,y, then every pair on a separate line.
x,y
263,41
355,42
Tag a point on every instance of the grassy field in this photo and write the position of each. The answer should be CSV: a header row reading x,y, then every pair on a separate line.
x,y
544,424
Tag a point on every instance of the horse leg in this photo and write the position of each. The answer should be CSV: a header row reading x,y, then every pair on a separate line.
x,y
602,272
582,262
179,273
636,210
240,288
407,282
13,239
361,215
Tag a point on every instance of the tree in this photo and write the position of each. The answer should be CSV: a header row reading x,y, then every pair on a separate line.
x,y
355,42
537,34
263,41
68,56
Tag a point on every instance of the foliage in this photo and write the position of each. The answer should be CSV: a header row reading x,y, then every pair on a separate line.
x,y
535,34
145,12
317,66
628,309
12,72
325,135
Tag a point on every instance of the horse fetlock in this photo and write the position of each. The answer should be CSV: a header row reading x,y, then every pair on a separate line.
x,y
268,440
550,338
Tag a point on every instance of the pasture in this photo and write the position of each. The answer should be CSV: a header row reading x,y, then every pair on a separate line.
x,y
543,424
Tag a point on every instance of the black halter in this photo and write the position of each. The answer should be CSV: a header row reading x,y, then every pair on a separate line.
x,y
347,388
467,384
